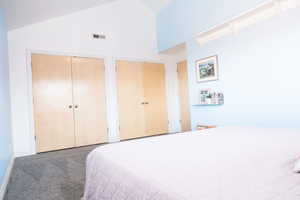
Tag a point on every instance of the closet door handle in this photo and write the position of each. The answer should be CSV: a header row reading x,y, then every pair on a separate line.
x,y
143,103
146,103
70,106
76,106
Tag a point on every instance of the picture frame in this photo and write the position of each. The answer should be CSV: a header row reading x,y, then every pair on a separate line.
x,y
204,93
207,69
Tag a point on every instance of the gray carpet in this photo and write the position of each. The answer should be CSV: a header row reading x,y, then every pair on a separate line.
x,y
56,175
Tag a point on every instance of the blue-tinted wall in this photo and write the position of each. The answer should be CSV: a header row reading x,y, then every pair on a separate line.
x,y
259,66
5,126
183,19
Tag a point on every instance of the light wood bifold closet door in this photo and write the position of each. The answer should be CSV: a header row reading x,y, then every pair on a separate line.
x,y
130,99
184,96
156,116
69,102
89,101
53,102
141,99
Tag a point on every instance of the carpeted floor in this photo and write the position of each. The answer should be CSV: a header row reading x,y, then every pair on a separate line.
x,y
56,175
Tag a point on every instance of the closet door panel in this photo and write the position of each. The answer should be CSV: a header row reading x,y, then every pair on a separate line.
x,y
130,99
89,101
52,96
156,116
185,114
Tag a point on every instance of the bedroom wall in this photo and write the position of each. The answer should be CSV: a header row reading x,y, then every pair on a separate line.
x,y
5,126
130,30
259,68
171,61
180,20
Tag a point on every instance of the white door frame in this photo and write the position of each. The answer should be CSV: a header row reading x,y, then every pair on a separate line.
x,y
29,53
130,59
110,90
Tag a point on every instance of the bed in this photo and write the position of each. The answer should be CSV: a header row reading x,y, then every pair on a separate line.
x,y
229,163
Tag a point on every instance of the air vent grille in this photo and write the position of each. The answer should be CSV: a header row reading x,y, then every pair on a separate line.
x,y
99,36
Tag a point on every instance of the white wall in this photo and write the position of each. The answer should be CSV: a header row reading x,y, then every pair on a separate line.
x,y
130,30
173,89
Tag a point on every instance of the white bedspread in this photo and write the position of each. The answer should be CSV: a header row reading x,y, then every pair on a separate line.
x,y
231,163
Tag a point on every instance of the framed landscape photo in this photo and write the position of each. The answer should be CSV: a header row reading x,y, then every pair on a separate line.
x,y
207,69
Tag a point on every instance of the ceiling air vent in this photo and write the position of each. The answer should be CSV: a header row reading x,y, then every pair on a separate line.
x,y
99,36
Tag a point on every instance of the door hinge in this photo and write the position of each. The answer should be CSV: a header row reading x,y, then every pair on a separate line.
x,y
35,138
108,130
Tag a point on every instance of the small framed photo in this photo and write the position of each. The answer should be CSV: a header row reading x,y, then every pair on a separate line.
x,y
207,69
205,92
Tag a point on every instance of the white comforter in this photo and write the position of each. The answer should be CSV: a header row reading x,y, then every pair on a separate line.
x,y
232,163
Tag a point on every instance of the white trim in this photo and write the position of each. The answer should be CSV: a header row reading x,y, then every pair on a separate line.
x,y
131,59
29,52
111,91
263,11
228,21
6,178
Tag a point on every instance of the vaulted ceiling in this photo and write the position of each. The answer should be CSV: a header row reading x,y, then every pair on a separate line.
x,y
20,13
156,5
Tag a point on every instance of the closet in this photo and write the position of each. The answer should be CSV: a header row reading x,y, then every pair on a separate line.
x,y
141,99
69,101
185,113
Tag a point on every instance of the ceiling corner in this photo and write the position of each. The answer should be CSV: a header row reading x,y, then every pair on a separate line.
x,y
156,5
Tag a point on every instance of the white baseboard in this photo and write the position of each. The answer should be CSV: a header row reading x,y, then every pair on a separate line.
x,y
6,179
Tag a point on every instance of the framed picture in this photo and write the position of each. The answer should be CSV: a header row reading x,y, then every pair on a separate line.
x,y
207,69
204,94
